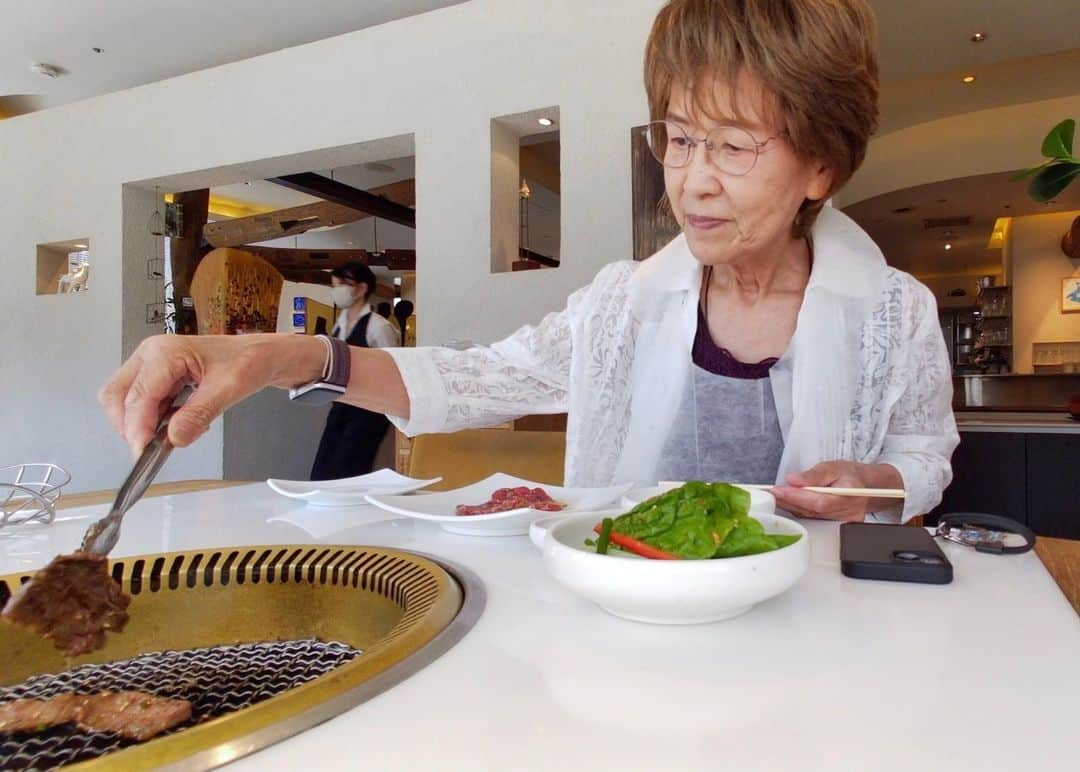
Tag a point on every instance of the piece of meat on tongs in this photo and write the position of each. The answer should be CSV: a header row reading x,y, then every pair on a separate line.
x,y
73,601
135,715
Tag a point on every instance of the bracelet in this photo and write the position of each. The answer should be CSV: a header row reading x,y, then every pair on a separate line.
x,y
338,364
335,374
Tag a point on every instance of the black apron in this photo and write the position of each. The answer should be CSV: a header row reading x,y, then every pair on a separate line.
x,y
352,435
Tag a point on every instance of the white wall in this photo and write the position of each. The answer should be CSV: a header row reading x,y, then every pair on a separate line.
x,y
1038,266
440,77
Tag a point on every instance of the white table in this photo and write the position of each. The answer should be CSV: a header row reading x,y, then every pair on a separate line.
x,y
836,674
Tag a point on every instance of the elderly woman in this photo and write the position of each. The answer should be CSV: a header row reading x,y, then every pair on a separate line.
x,y
769,342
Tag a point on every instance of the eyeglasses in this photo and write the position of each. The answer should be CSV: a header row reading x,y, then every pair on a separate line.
x,y
730,149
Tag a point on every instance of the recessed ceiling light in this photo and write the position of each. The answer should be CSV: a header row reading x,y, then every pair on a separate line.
x,y
978,37
545,121
48,70
948,246
968,79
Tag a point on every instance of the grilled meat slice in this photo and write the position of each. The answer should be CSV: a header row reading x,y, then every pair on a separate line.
x,y
73,601
134,715
37,715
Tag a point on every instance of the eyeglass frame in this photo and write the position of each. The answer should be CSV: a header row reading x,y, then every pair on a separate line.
x,y
695,141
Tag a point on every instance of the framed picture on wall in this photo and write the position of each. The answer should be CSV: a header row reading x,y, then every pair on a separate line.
x,y
1070,295
654,226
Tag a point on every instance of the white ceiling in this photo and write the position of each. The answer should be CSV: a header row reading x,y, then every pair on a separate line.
x,y
150,40
908,245
922,37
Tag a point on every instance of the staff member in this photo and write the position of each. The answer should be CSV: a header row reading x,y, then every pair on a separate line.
x,y
352,434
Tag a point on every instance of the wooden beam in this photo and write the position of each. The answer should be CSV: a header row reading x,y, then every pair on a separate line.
x,y
346,195
185,253
299,219
324,259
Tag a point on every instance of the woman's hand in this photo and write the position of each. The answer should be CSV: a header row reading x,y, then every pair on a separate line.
x,y
225,369
837,474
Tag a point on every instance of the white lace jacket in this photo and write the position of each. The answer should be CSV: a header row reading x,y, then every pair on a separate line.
x,y
866,376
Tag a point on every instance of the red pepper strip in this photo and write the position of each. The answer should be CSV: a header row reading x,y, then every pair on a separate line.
x,y
631,544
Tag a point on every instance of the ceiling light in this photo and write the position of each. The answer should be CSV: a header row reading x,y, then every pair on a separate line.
x,y
79,246
948,246
545,121
978,37
968,79
48,70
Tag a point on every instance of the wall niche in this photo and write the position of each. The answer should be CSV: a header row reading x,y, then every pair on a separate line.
x,y
525,191
63,267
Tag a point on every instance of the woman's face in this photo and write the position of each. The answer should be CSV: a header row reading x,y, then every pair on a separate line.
x,y
732,220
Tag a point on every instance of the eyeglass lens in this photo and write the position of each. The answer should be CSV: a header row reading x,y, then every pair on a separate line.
x,y
731,149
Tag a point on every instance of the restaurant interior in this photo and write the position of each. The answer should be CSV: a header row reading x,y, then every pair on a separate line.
x,y
202,169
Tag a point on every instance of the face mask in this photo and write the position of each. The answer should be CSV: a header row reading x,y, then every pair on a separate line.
x,y
343,296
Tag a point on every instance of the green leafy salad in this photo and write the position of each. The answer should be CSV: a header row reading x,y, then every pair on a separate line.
x,y
695,521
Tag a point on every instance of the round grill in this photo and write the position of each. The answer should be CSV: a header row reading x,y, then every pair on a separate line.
x,y
241,633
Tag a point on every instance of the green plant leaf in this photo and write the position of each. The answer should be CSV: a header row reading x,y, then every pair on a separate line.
x,y
1023,175
1052,180
1059,142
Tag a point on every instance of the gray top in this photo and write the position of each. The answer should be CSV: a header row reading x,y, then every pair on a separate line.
x,y
726,430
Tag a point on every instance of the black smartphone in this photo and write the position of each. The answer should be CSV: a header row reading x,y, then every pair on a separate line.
x,y
895,553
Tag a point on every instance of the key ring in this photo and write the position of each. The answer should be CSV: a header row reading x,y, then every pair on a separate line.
x,y
986,533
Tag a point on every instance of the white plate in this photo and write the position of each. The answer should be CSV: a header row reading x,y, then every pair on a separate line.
x,y
347,491
760,501
441,507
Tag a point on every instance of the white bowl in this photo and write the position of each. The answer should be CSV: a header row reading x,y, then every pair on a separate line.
x,y
673,591
538,528
760,501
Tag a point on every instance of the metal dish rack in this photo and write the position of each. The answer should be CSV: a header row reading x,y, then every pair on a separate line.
x,y
28,493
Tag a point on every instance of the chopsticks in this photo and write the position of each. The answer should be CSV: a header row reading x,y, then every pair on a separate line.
x,y
873,493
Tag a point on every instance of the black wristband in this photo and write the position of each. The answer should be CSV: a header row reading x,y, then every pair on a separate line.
x,y
960,520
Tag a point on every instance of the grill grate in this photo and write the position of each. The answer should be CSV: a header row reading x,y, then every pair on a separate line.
x,y
217,680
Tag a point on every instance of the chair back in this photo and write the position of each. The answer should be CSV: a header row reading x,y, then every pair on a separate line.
x,y
468,456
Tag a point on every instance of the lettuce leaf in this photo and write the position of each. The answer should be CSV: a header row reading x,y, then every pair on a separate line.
x,y
700,520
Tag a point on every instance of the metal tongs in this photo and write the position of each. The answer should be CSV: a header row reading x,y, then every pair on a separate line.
x,y
102,536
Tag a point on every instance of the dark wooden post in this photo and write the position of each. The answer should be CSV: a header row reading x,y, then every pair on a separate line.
x,y
185,253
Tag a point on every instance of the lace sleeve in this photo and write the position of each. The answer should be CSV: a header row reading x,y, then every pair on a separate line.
x,y
922,430
528,372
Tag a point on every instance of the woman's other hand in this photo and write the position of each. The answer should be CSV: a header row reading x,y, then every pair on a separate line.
x,y
837,474
224,369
